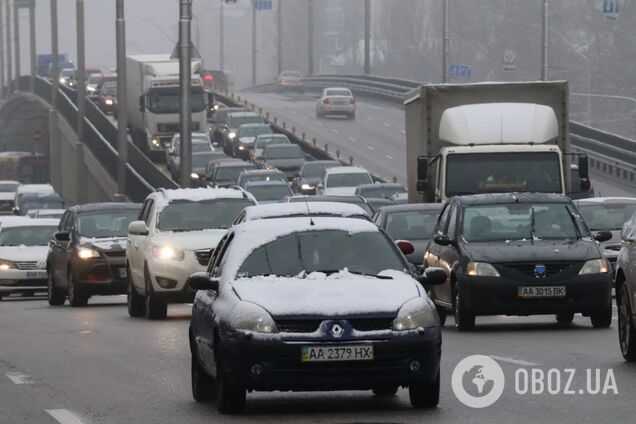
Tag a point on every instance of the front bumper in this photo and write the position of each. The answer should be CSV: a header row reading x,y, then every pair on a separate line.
x,y
338,109
284,370
176,273
19,281
499,295
102,276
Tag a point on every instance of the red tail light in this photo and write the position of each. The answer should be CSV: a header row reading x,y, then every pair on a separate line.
x,y
208,77
352,101
325,101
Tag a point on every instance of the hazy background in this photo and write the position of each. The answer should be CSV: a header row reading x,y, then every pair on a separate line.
x,y
596,55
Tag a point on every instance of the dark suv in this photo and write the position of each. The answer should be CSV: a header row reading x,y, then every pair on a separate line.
x,y
87,256
519,254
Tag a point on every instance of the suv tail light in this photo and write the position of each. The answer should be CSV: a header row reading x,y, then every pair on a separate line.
x,y
352,101
325,101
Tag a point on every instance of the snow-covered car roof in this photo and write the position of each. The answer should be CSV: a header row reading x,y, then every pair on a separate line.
x,y
593,200
7,195
198,194
6,219
44,212
36,188
33,222
251,235
345,170
281,210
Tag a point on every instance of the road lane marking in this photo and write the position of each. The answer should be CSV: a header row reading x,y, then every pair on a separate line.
x,y
389,157
352,138
335,131
403,131
386,124
19,378
64,416
514,361
370,147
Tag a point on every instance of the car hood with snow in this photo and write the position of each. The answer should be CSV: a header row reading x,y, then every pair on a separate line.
x,y
105,244
24,253
339,294
190,240
247,140
339,191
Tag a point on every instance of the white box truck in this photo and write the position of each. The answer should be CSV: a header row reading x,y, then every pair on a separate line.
x,y
154,100
488,138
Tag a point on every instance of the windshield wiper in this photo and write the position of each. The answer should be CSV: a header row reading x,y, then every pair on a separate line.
x,y
335,271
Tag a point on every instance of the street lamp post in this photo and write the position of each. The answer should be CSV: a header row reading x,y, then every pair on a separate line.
x,y
185,66
8,41
254,49
32,42
279,36
310,47
545,40
81,70
367,37
221,37
122,104
16,39
445,42
2,60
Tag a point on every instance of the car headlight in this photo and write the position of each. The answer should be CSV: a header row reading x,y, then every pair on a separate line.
x,y
250,317
155,142
414,314
481,269
6,265
109,102
307,187
87,253
241,147
62,80
167,253
215,107
91,89
231,135
194,176
595,266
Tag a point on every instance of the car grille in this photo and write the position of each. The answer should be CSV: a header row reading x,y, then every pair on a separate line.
x,y
116,254
298,325
613,248
551,268
203,256
371,324
26,266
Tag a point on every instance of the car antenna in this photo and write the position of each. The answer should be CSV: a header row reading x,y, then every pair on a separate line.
x,y
311,221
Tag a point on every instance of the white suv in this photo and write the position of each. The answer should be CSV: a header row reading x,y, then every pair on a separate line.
x,y
176,233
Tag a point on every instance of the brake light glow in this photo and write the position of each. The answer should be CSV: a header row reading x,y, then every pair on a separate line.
x,y
325,101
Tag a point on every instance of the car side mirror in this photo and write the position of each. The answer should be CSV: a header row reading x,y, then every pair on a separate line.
x,y
602,236
406,247
433,277
320,186
442,240
62,236
15,210
138,228
202,281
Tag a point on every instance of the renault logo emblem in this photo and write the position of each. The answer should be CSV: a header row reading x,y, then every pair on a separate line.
x,y
539,271
337,330
41,264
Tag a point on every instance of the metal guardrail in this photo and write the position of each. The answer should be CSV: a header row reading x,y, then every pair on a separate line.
x,y
610,154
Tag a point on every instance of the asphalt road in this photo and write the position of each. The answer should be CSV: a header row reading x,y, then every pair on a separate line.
x,y
376,139
97,365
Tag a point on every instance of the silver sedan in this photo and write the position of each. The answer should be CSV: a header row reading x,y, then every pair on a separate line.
x,y
336,101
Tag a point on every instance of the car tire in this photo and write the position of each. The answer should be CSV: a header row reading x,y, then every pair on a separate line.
x,y
136,302
54,296
603,318
385,391
155,308
425,394
464,318
203,386
75,297
565,318
230,396
626,331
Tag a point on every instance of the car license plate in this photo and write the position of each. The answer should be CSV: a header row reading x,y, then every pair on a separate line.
x,y
122,272
546,291
337,353
37,275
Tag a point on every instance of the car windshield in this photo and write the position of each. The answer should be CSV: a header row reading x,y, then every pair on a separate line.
x,y
6,206
273,192
316,170
338,93
39,235
230,173
109,90
237,121
606,216
105,223
42,203
187,215
291,74
202,160
168,100
9,187
379,191
221,115
291,151
503,172
201,145
263,177
254,131
352,179
326,250
520,221
411,225
262,142
350,200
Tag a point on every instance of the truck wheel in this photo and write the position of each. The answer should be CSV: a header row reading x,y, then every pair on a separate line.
x,y
203,386
136,304
54,296
602,319
626,331
385,391
75,297
464,318
230,395
425,394
565,318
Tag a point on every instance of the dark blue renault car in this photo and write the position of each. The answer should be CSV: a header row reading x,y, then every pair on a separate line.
x,y
306,304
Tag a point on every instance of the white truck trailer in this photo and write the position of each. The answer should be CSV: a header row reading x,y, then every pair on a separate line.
x,y
489,138
154,99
